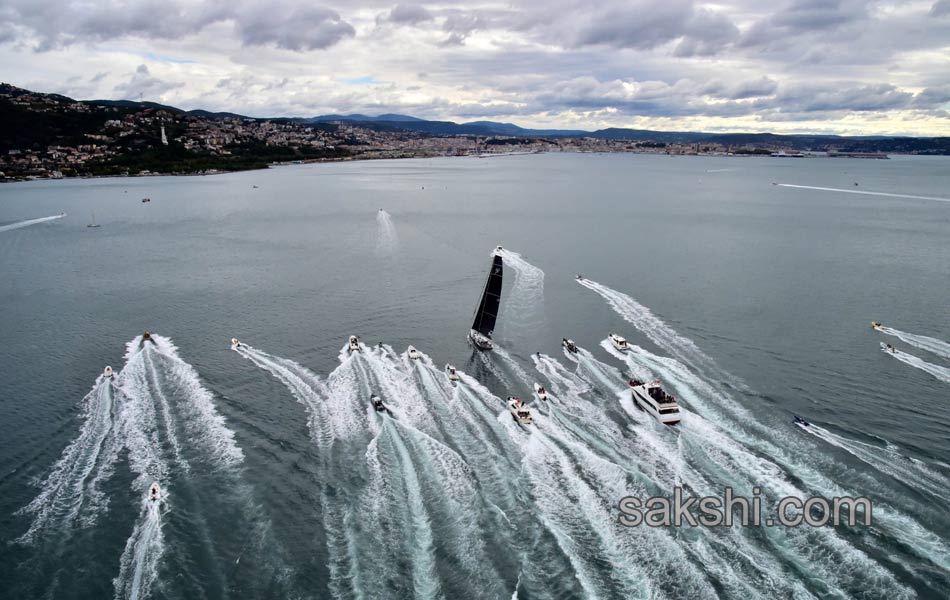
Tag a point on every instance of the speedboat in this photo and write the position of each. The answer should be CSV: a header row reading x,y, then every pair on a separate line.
x,y
580,277
413,353
451,372
888,348
235,342
147,337
618,342
107,373
540,391
146,199
569,345
154,492
519,410
498,249
378,403
876,325
354,344
801,422
651,398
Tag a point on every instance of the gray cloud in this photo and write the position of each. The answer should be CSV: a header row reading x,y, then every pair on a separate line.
x,y
143,85
941,8
411,14
301,28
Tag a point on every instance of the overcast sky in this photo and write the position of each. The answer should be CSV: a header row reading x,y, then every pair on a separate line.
x,y
841,66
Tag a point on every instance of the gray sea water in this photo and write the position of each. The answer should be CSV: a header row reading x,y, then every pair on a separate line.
x,y
750,301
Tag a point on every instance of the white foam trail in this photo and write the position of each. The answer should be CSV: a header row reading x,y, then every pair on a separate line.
x,y
909,471
938,347
73,485
387,240
29,222
941,373
138,568
523,309
864,192
654,328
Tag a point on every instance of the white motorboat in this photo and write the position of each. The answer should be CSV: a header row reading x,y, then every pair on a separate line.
x,y
540,391
354,344
888,348
451,372
236,343
519,410
487,311
619,342
107,372
154,492
413,353
651,398
569,345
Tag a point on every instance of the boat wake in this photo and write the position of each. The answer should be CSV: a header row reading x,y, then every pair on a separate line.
x,y
138,567
940,372
387,240
933,345
910,471
863,192
523,311
71,493
29,222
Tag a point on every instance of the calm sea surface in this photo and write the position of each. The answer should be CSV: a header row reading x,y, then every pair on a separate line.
x,y
750,301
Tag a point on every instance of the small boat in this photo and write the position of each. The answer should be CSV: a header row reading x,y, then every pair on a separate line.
x,y
146,199
618,342
378,403
93,223
651,397
499,249
353,345
801,422
451,372
235,343
107,372
487,312
255,187
154,492
519,410
413,353
774,183
147,337
579,277
540,391
569,345
876,325
888,348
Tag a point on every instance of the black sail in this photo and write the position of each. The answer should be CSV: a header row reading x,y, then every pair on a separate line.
x,y
487,311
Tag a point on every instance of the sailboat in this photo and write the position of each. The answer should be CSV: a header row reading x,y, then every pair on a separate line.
x,y
93,224
487,311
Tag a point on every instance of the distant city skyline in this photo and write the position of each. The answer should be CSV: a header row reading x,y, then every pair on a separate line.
x,y
848,67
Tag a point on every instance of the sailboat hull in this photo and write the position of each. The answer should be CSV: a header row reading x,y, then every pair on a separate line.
x,y
481,342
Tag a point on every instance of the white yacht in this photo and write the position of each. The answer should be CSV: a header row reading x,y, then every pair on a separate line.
x,y
619,342
413,353
451,372
354,344
653,399
569,345
540,391
519,410
107,372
